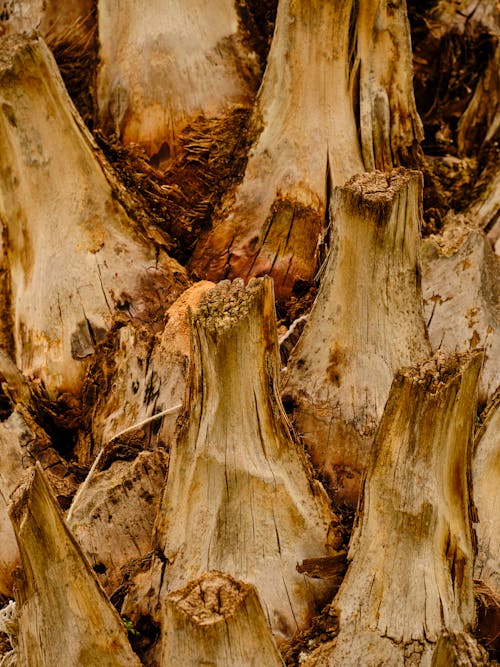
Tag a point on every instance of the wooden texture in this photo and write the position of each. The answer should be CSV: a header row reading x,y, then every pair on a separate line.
x,y
239,497
486,485
148,377
389,126
366,323
22,443
336,99
112,516
411,551
64,616
75,258
461,290
163,64
50,18
216,620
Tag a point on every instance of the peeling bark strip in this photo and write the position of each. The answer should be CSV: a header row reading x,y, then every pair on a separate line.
x,y
161,64
410,577
365,325
217,621
336,99
73,253
239,497
64,616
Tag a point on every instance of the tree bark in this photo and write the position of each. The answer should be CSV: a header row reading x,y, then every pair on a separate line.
x,y
339,374
412,554
461,290
324,114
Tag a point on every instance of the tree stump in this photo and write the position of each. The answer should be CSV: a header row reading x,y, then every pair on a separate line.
x,y
355,339
216,620
410,576
64,616
162,65
77,259
239,496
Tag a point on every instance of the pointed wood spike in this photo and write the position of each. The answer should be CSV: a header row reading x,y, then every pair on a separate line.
x,y
64,615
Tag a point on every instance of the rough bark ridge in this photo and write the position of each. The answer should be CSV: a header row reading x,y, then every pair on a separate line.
x,y
64,616
410,577
161,65
239,497
355,340
74,258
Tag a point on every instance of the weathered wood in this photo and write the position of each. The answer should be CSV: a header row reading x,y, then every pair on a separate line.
x,y
148,377
486,485
64,616
458,650
75,257
410,576
365,325
308,139
22,442
216,620
336,99
163,64
112,518
389,126
461,290
239,497
49,17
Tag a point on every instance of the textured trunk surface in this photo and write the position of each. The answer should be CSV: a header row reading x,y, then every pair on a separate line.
x,y
64,616
74,256
356,338
164,64
217,621
486,484
239,497
461,290
410,576
323,116
269,141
